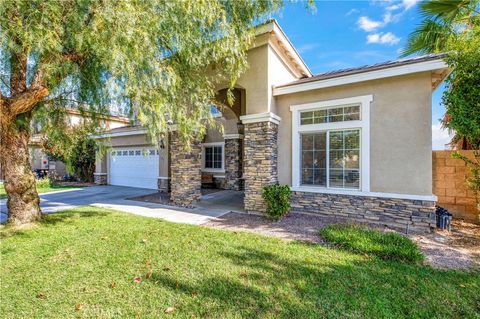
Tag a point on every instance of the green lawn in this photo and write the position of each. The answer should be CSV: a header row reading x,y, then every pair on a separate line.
x,y
43,189
82,263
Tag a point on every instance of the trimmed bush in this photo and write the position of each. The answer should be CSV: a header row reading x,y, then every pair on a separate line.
x,y
43,182
386,246
277,198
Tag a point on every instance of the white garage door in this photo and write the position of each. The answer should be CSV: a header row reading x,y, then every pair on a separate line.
x,y
135,167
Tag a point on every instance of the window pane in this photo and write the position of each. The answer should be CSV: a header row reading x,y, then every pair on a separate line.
x,y
331,114
306,118
208,157
352,179
351,159
213,157
336,159
352,140
320,159
344,159
320,116
313,161
336,178
307,176
307,142
336,140
320,177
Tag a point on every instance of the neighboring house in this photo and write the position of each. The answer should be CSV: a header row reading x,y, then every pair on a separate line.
x,y
353,144
40,161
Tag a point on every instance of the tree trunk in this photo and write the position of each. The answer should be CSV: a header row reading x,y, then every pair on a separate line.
x,y
22,198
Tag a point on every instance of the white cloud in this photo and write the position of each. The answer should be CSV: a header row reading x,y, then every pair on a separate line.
x,y
383,38
352,11
368,25
440,137
408,4
393,12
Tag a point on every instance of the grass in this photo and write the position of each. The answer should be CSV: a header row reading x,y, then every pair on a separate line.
x,y
40,189
82,263
386,246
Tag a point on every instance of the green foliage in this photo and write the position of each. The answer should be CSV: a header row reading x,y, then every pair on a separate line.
x,y
443,20
462,97
82,159
453,26
277,198
75,147
89,257
361,240
155,60
44,183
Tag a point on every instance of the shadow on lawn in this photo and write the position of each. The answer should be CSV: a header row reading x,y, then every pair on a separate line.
x,y
275,286
53,219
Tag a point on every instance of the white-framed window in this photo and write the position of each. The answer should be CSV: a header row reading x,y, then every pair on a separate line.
x,y
331,145
213,155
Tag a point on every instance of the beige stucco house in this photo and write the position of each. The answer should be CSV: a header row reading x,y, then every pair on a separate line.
x,y
352,144
40,161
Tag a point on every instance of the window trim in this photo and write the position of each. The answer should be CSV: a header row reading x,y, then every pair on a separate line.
x,y
363,125
213,170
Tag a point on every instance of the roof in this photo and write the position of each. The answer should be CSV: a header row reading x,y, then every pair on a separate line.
x,y
423,63
293,57
370,67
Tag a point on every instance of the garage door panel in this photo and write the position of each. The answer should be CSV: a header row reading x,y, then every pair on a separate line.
x,y
135,167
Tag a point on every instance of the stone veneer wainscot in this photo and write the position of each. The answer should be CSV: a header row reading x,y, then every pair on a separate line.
x,y
401,214
185,170
260,162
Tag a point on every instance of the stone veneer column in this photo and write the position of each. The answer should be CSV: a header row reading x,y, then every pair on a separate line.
x,y
185,170
260,158
233,161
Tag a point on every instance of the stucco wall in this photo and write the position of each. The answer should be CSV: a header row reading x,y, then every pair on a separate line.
x,y
400,124
255,80
278,73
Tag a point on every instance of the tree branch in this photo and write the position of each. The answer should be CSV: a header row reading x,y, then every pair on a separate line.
x,y
27,100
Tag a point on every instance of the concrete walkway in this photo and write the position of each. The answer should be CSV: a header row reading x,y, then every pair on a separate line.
x,y
212,205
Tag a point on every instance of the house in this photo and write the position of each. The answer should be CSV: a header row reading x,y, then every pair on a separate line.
x,y
40,161
354,144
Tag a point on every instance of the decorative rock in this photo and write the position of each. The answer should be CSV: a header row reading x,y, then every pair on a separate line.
x,y
185,171
260,162
401,214
233,164
100,178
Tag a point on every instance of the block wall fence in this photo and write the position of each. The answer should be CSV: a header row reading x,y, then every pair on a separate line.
x,y
449,185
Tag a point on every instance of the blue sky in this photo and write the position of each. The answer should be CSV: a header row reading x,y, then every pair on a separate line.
x,y
343,34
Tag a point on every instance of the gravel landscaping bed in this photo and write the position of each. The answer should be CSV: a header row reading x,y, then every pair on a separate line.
x,y
458,249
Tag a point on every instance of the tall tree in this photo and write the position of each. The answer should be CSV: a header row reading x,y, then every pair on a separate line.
x,y
453,26
154,56
442,20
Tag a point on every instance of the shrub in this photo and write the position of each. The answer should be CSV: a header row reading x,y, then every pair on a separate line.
x,y
43,182
386,246
278,200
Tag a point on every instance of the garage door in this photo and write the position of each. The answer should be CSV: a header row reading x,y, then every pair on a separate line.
x,y
135,167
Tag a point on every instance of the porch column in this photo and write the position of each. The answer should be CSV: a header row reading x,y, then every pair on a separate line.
x,y
100,177
233,161
185,170
260,157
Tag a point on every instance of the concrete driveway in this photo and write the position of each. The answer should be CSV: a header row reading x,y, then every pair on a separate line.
x,y
114,197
